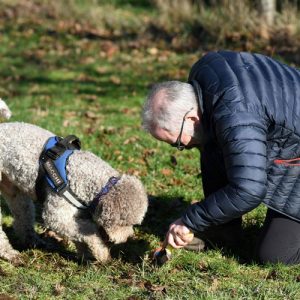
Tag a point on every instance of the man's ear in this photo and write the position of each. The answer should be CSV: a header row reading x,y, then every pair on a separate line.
x,y
193,117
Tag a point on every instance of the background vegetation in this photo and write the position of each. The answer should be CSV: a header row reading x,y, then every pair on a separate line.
x,y
84,67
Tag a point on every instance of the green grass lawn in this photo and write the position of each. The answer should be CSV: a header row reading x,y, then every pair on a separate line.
x,y
94,87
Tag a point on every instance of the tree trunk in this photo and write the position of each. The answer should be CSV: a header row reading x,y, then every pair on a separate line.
x,y
267,10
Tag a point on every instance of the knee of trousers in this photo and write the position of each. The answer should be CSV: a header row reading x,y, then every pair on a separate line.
x,y
273,256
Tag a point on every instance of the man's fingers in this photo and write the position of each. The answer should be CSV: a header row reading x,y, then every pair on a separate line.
x,y
175,241
179,242
170,241
178,235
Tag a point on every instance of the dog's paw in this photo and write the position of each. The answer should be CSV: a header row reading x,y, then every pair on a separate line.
x,y
102,255
83,252
11,255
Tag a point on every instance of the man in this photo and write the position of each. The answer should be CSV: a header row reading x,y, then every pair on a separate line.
x,y
242,111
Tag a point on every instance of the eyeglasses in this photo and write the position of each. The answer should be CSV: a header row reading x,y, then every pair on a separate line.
x,y
178,144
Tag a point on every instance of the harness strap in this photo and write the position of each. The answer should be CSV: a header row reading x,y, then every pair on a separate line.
x,y
71,199
54,159
71,142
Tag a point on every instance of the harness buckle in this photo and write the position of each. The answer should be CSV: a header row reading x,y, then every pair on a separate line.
x,y
52,154
61,189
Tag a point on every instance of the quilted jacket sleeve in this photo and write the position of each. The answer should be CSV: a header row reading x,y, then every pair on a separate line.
x,y
213,171
242,139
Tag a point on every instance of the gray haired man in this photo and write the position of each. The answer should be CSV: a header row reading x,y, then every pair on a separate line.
x,y
242,111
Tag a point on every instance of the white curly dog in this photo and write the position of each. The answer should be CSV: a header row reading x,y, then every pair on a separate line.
x,y
111,219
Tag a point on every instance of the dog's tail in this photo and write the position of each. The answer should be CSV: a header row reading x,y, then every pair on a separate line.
x,y
5,112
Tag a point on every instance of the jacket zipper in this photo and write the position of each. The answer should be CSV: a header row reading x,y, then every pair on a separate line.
x,y
288,162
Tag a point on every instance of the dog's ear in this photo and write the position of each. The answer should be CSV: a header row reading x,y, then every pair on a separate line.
x,y
124,205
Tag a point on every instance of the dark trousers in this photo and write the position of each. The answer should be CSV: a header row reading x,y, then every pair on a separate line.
x,y
279,240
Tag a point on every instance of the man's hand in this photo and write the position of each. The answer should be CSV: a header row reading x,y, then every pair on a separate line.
x,y
178,235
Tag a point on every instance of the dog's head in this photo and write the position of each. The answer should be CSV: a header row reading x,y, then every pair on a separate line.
x,y
124,206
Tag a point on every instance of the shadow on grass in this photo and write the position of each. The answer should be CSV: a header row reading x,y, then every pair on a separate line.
x,y
231,241
162,211
131,252
243,249
49,245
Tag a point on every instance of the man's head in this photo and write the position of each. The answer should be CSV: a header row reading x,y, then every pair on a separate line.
x,y
171,108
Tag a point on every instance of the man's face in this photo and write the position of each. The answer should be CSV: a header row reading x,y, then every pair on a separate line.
x,y
171,137
190,120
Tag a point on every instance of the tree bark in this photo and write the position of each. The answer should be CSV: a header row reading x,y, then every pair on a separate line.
x,y
267,10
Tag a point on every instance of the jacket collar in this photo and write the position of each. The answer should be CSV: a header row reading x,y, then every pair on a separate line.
x,y
198,92
205,124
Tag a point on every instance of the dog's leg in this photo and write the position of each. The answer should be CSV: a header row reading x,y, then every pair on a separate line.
x,y
22,209
119,234
83,251
6,250
87,240
62,218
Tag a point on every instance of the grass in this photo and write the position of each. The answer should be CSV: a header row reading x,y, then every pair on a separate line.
x,y
69,80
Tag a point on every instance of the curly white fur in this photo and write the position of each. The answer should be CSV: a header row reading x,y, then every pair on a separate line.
x,y
125,205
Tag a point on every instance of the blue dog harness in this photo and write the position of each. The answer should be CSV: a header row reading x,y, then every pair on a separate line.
x,y
54,159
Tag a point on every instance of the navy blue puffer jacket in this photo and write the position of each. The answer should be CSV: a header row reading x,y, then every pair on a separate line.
x,y
251,118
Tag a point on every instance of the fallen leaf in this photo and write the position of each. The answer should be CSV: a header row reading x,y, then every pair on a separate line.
x,y
166,172
154,287
152,51
40,112
89,97
141,161
131,140
90,115
134,172
68,123
101,70
214,285
84,78
177,181
6,297
108,130
115,79
149,152
70,114
109,48
203,266
90,130
87,60
58,289
129,111
272,275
